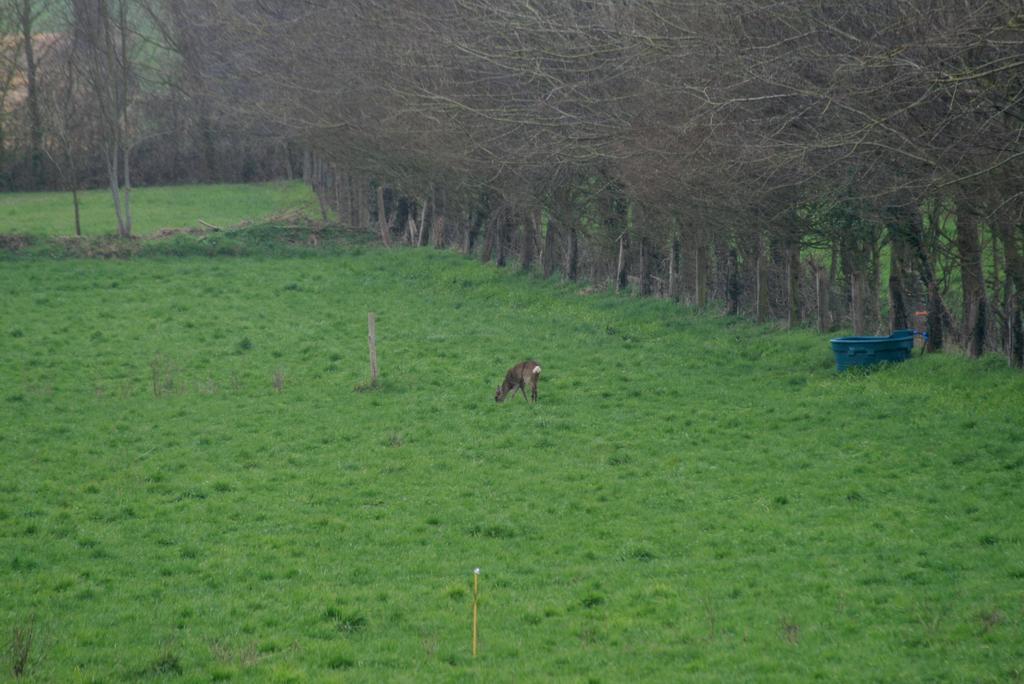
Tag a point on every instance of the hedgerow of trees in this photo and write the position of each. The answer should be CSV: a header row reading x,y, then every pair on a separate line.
x,y
87,84
854,163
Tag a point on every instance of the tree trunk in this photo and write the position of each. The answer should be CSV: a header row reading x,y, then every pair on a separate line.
x,y
936,308
363,202
822,288
503,235
935,318
466,246
113,176
339,191
835,263
673,269
351,209
1014,295
701,268
126,128
613,213
547,257
437,229
793,284
858,307
490,228
286,162
32,97
530,228
732,283
1015,336
472,231
336,199
78,209
382,220
621,277
998,268
127,194
421,231
572,255
899,316
209,145
873,284
320,186
641,225
4,175
972,279
645,268
107,73
761,275
410,224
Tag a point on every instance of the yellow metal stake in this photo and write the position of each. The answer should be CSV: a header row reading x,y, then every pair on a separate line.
x,y
476,592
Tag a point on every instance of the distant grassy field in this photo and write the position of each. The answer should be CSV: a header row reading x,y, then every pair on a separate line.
x,y
52,213
197,486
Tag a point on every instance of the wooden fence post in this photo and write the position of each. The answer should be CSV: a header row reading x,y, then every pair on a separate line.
x,y
373,349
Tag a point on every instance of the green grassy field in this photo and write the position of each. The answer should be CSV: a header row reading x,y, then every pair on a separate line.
x,y
52,213
197,485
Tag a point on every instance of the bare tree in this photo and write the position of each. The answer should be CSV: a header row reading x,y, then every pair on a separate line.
x,y
27,12
711,145
67,122
103,43
10,49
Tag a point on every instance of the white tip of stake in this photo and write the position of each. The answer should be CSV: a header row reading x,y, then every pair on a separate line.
x,y
476,571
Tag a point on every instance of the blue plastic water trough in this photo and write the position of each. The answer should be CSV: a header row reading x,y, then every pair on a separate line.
x,y
867,351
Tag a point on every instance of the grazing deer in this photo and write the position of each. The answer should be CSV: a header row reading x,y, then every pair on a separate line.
x,y
517,378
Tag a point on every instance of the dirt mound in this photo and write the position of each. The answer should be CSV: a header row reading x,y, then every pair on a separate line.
x,y
12,243
186,230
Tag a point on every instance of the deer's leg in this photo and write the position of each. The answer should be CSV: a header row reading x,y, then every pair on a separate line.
x,y
522,388
533,389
